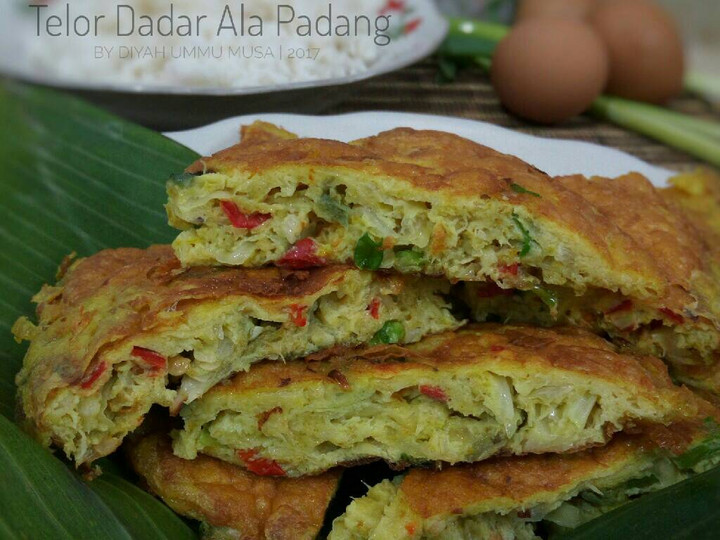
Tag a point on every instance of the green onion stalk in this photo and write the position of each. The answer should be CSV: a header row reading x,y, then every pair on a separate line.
x,y
474,41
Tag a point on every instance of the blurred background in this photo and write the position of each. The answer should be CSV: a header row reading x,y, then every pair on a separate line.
x,y
699,21
461,58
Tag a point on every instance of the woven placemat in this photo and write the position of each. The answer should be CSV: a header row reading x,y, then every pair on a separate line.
x,y
414,89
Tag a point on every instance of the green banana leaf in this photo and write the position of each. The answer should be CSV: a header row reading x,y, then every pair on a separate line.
x,y
75,178
140,513
42,498
688,510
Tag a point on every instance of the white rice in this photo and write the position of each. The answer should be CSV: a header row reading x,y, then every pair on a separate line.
x,y
176,60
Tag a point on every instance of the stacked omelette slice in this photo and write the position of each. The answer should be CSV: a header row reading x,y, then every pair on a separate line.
x,y
513,345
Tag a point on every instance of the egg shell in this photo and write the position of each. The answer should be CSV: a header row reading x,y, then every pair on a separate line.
x,y
549,70
645,48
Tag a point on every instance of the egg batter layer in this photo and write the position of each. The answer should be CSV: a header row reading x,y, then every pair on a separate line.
x,y
452,397
128,328
687,339
698,194
687,345
507,497
467,209
229,501
435,203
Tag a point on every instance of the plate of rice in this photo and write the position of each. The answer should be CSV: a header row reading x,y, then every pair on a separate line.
x,y
181,63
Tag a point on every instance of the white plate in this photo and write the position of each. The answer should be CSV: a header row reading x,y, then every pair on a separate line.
x,y
164,107
554,156
18,27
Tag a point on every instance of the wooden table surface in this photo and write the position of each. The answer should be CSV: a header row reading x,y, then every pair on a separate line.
x,y
414,89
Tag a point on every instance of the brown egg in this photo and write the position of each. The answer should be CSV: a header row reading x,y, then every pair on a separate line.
x,y
568,9
645,48
548,70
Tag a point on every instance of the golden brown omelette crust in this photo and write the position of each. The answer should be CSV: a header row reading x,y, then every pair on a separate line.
x,y
698,194
224,495
260,131
539,349
140,286
158,271
430,493
636,207
626,220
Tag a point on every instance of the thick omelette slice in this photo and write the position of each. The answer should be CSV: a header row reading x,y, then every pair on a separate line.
x,y
128,328
229,501
434,202
680,227
509,497
612,255
454,397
